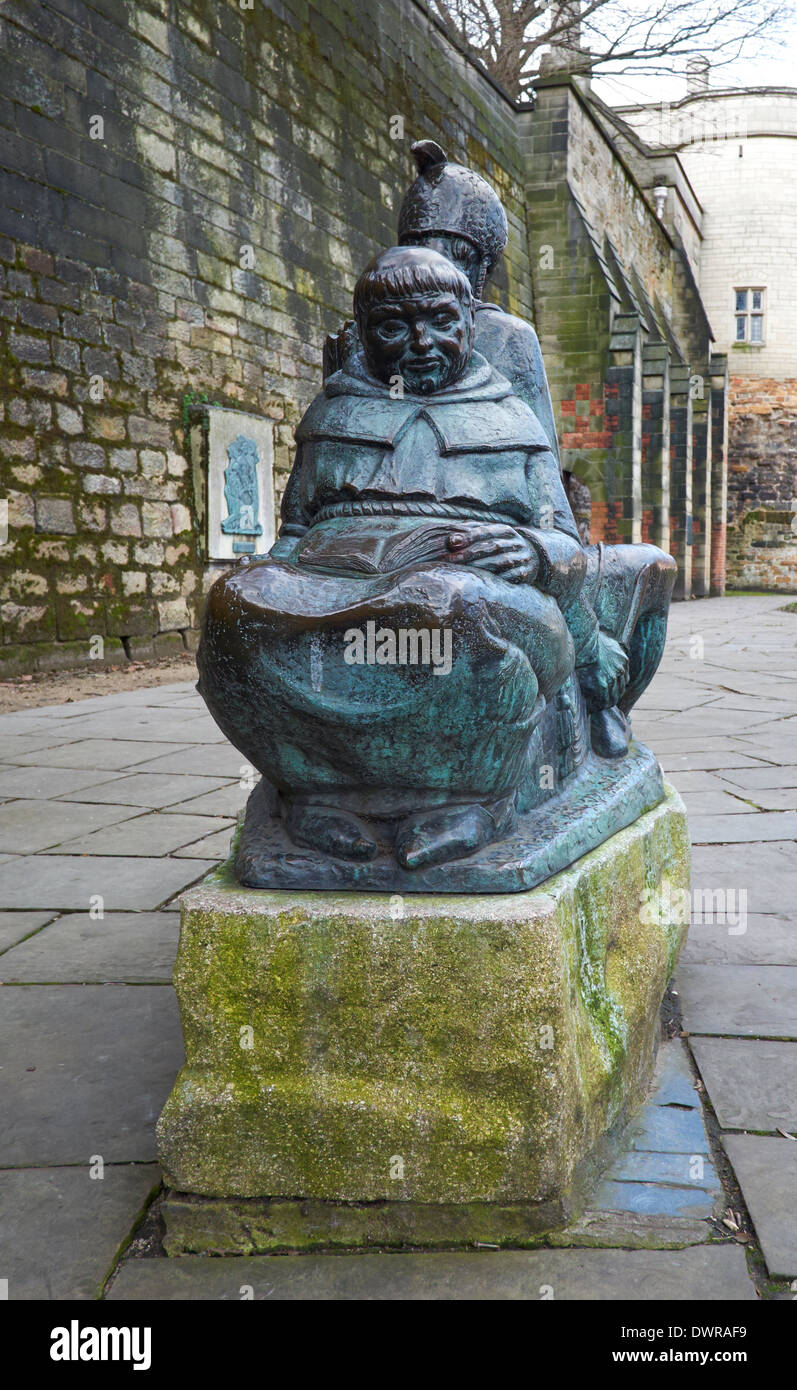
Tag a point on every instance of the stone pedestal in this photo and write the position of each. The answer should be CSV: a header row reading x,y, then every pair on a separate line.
x,y
368,1069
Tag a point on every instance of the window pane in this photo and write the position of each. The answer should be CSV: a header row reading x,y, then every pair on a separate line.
x,y
757,328
758,299
740,333
741,300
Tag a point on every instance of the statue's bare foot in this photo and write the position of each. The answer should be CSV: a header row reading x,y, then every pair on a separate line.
x,y
329,830
435,837
610,733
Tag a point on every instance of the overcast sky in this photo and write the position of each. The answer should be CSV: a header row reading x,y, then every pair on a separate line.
x,y
776,69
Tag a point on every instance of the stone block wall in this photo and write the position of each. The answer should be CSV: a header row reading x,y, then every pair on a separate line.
x,y
188,194
604,184
572,301
620,321
762,485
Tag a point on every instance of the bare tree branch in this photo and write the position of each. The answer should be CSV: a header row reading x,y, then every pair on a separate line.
x,y
509,37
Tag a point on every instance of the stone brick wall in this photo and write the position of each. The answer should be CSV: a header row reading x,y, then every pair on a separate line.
x,y
572,301
189,193
762,485
616,204
617,307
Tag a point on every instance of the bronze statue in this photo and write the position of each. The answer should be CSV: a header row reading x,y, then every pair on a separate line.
x,y
401,666
619,621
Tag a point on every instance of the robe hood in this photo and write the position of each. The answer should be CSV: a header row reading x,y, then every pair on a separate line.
x,y
479,411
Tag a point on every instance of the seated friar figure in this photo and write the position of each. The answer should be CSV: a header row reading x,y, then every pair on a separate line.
x,y
619,619
391,659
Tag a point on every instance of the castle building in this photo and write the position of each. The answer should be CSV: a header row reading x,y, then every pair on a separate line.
x,y
738,151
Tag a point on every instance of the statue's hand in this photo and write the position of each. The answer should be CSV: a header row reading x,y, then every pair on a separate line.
x,y
498,548
604,680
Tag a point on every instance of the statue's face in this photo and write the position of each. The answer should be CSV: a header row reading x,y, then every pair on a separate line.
x,y
426,340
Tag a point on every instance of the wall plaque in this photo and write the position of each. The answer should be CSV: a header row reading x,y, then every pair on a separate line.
x,y
232,455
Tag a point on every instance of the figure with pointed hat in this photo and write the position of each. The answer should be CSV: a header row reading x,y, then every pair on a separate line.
x,y
619,621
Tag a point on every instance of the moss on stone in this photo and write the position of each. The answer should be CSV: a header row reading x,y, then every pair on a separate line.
x,y
481,1045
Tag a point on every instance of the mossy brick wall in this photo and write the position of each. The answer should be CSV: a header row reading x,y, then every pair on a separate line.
x,y
616,205
125,258
571,299
578,189
762,484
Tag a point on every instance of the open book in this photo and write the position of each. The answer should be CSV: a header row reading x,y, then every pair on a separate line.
x,y
378,545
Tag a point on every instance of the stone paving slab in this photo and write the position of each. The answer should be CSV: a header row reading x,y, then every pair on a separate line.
x,y
159,790
677,1169
213,846
767,706
704,720
630,1230
151,695
740,1000
780,748
219,760
228,800
15,926
150,726
690,750
752,939
668,1129
751,1084
86,1070
664,1169
743,829
674,1081
715,803
703,761
767,1174
158,833
115,754
700,781
28,826
22,720
41,783
670,696
766,871
772,799
713,1272
61,1229
119,948
655,1200
18,747
69,881
766,776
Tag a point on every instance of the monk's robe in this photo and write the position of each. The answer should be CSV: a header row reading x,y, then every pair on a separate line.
x,y
512,347
378,485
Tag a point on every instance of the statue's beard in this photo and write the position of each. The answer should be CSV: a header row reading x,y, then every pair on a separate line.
x,y
424,375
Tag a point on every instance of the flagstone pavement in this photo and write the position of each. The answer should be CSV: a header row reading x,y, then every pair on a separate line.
x,y
109,807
